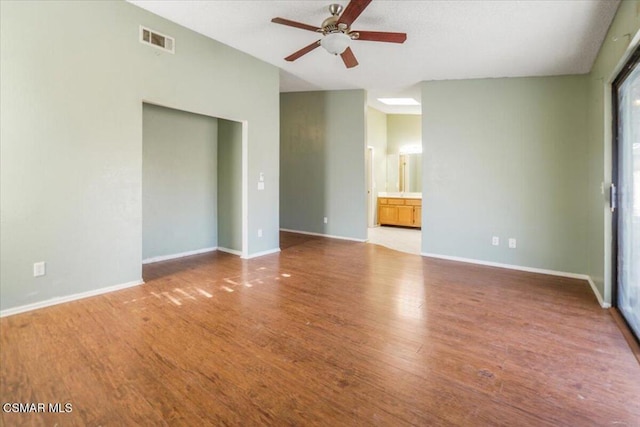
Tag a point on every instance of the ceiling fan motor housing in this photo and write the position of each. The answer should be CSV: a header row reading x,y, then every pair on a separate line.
x,y
332,26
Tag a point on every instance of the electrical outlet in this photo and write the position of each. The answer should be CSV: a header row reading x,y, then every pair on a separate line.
x,y
39,269
512,243
326,220
259,232
495,241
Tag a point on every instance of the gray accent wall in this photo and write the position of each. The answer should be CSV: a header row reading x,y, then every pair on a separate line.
x,y
73,78
624,26
230,185
506,158
323,163
179,182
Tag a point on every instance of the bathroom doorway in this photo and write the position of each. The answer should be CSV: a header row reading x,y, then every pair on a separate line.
x,y
396,140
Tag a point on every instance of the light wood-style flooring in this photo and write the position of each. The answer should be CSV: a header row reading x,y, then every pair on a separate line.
x,y
327,333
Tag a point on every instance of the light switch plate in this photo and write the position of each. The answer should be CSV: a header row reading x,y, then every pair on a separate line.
x,y
261,186
39,269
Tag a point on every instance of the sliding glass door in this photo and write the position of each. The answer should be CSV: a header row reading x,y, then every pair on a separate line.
x,y
627,186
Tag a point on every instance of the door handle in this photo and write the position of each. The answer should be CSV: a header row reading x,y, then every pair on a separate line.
x,y
613,197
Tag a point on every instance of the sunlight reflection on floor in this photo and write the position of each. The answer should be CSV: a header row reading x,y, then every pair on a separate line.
x,y
179,294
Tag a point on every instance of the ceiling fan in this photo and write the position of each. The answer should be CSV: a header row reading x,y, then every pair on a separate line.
x,y
337,33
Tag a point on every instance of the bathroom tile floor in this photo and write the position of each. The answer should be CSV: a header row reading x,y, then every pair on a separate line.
x,y
398,238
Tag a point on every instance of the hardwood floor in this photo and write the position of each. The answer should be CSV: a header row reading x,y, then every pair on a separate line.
x,y
329,333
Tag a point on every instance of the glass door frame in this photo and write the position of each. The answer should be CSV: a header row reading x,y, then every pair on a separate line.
x,y
631,61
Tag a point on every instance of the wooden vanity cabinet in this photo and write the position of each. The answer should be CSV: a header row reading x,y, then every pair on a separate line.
x,y
400,211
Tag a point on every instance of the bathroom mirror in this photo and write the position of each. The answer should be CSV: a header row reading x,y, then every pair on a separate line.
x,y
404,173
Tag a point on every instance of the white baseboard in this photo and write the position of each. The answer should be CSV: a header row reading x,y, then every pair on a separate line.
x,y
595,290
230,251
586,277
68,298
508,266
324,235
263,253
180,255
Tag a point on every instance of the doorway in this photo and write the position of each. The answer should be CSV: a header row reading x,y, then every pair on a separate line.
x,y
370,179
395,154
625,192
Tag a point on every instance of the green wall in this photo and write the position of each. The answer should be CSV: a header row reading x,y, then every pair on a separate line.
x,y
179,182
73,78
229,185
403,129
507,158
623,28
322,163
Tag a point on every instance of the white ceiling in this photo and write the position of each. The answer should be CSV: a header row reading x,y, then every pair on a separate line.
x,y
445,40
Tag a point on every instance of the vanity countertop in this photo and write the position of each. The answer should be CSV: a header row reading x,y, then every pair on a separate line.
x,y
400,195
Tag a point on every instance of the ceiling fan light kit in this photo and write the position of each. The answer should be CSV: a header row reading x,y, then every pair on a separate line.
x,y
337,33
335,43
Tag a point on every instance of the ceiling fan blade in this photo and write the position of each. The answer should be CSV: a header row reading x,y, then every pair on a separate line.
x,y
381,36
294,24
352,11
302,51
349,58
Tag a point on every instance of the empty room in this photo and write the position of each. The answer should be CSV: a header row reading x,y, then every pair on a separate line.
x,y
366,212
